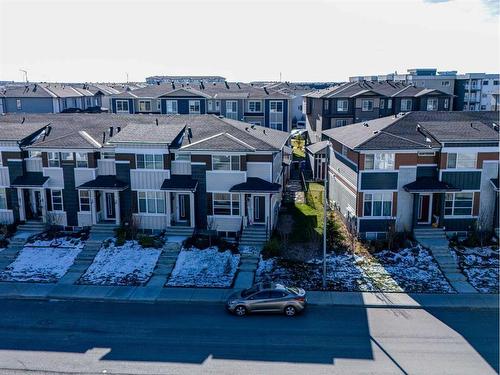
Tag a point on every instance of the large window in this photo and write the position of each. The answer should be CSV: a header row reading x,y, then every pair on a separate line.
x,y
18,104
389,103
379,161
67,156
149,161
367,105
276,106
84,200
151,202
377,204
342,105
3,199
446,104
458,204
35,154
406,105
254,106
457,160
213,105
53,158
57,200
232,109
145,105
172,107
432,104
326,105
225,163
194,106
340,122
122,106
82,160
226,203
108,155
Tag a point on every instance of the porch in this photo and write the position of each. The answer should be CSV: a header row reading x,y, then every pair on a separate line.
x,y
32,196
180,210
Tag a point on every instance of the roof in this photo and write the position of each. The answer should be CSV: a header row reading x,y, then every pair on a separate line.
x,y
24,91
256,184
30,179
401,132
104,182
149,133
317,147
429,185
18,131
179,182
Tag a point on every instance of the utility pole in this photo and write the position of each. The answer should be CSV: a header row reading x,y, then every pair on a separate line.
x,y
127,76
25,72
325,202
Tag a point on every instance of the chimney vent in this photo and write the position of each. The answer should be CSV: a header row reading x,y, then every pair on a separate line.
x,y
110,131
103,137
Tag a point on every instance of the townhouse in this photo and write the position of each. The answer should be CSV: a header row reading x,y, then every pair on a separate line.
x,y
161,173
353,102
237,101
416,170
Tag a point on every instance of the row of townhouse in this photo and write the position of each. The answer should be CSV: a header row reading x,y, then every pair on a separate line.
x,y
196,171
415,170
354,102
237,101
56,97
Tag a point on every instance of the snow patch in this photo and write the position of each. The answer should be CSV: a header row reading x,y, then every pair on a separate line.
x,y
480,266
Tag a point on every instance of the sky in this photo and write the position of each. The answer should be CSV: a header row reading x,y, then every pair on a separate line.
x,y
244,40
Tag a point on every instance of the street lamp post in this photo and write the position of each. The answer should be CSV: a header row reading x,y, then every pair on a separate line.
x,y
325,202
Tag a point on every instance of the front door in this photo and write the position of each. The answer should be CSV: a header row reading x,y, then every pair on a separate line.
x,y
38,203
110,206
259,209
183,208
424,209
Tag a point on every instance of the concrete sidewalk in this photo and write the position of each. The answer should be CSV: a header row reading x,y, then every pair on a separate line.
x,y
126,294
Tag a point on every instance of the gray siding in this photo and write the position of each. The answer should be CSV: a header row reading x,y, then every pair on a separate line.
x,y
123,174
463,180
379,181
70,195
198,172
29,105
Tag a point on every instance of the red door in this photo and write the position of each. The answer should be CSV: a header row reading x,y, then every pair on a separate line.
x,y
424,209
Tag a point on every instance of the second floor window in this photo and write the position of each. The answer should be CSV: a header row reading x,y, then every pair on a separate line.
x,y
122,106
225,163
194,106
276,106
53,158
432,104
145,105
254,106
459,160
171,107
367,105
35,154
406,105
379,161
232,109
67,156
149,161
82,160
342,105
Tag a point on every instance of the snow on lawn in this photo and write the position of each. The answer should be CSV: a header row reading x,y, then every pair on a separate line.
x,y
43,260
480,266
409,270
204,268
130,264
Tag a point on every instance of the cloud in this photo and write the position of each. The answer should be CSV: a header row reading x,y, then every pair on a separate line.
x,y
437,1
492,6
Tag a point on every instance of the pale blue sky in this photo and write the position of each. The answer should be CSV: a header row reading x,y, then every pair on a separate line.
x,y
308,40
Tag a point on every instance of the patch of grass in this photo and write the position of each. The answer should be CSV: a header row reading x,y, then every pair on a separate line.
x,y
307,221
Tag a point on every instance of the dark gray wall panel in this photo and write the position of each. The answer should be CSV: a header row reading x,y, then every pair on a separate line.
x,y
463,180
379,181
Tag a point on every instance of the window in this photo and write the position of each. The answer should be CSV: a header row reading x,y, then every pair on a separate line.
x,y
88,101
149,161
255,123
326,105
483,108
107,155
194,106
495,82
3,199
276,125
171,107
57,201
377,204
340,122
458,204
344,150
84,200
342,105
379,161
82,160
446,104
158,105
18,104
122,106
367,105
389,103
461,160
66,156
276,106
432,104
225,163
151,202
226,204
232,109
182,157
254,106
406,105
382,103
445,83
485,83
214,105
35,154
53,158
145,105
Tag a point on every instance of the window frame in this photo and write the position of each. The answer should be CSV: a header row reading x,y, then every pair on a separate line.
x,y
82,159
406,101
232,161
193,104
450,209
388,158
67,156
121,102
19,104
363,101
231,205
3,199
54,162
432,100
459,158
144,102
170,103
343,108
383,207
58,196
254,110
151,202
82,199
155,162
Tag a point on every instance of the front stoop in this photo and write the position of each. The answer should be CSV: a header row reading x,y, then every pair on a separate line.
x,y
435,240
82,262
246,271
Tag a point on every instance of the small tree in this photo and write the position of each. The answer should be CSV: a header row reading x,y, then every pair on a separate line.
x,y
334,236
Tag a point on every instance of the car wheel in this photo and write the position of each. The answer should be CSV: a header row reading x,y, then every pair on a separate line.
x,y
290,311
240,310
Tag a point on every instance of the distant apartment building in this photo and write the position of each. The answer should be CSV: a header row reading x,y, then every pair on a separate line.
x,y
236,101
477,92
183,79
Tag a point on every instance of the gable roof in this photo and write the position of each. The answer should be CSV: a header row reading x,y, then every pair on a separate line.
x,y
459,131
148,133
222,141
18,131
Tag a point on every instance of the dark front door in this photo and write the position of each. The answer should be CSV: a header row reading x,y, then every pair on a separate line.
x,y
110,206
38,203
424,209
28,206
184,207
259,209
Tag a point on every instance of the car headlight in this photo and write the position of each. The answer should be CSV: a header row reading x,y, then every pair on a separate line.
x,y
232,302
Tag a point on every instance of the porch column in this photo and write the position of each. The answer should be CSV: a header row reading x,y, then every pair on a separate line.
x,y
20,200
117,207
43,201
191,208
416,202
243,208
93,206
169,209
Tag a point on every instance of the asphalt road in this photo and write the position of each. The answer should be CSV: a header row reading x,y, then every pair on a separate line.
x,y
83,337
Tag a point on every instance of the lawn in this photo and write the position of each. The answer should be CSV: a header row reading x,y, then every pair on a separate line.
x,y
480,266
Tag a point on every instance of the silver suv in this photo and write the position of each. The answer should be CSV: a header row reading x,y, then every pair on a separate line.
x,y
267,297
